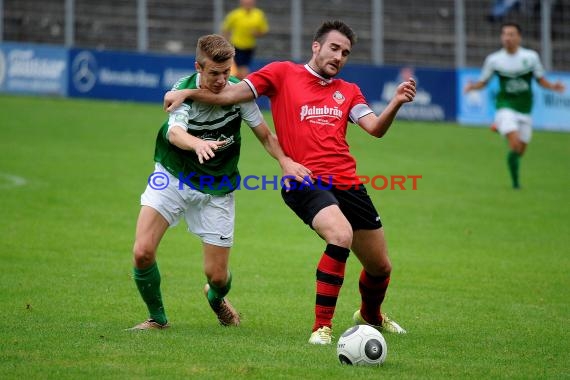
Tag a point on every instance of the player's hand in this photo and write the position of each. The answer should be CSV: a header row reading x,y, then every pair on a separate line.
x,y
468,87
558,87
406,91
205,149
173,99
293,170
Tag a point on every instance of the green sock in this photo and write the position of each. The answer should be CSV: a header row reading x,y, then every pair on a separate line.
x,y
217,294
148,284
513,159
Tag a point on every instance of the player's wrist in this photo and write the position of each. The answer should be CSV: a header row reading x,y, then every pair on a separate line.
x,y
284,160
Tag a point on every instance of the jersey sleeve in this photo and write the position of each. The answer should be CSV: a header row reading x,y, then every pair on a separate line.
x,y
179,117
358,111
266,80
538,70
359,107
488,69
251,114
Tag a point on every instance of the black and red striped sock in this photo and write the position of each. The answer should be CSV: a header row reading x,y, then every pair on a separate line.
x,y
330,276
372,290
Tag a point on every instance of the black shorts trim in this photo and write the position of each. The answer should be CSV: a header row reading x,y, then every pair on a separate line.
x,y
355,204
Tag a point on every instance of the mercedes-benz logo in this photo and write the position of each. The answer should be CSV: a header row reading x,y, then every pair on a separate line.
x,y
84,71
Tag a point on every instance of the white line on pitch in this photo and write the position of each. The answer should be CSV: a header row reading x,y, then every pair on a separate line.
x,y
8,181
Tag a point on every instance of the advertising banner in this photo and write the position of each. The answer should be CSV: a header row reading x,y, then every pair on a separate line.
x,y
551,110
124,75
33,69
130,76
435,96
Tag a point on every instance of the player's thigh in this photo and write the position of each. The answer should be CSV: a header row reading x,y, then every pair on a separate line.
x,y
331,224
371,249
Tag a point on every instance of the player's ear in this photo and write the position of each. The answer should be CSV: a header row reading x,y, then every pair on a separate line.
x,y
315,47
197,67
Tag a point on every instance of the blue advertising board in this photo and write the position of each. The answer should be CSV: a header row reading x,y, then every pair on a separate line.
x,y
33,69
435,96
86,73
125,75
551,110
475,107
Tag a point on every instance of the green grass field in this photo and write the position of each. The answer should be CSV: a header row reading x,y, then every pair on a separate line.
x,y
481,272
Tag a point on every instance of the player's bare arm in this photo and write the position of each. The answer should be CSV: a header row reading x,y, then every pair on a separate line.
x,y
203,149
378,125
289,167
238,93
474,86
554,86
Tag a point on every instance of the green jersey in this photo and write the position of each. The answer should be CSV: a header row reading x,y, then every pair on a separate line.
x,y
219,175
515,72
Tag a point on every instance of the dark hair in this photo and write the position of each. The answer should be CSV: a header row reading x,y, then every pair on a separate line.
x,y
337,25
512,24
214,47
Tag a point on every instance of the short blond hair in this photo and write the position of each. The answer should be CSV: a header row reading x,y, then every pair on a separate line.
x,y
214,47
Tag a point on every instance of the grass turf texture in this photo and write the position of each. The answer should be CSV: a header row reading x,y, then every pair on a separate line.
x,y
480,276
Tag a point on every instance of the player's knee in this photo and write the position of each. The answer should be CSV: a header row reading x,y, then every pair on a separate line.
x,y
341,237
381,266
380,270
385,264
143,255
516,145
386,269
217,278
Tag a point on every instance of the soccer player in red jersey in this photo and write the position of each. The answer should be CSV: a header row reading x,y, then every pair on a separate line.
x,y
311,111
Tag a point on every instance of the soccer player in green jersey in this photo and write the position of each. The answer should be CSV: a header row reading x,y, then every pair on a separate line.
x,y
196,156
515,66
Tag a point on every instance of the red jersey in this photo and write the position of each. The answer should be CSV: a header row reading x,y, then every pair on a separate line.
x,y
311,115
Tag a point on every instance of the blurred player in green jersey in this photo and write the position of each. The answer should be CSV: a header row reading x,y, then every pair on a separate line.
x,y
515,66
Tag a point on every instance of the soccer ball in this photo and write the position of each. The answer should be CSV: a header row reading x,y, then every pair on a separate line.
x,y
362,345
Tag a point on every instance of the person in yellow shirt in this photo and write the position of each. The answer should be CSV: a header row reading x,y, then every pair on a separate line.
x,y
242,26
